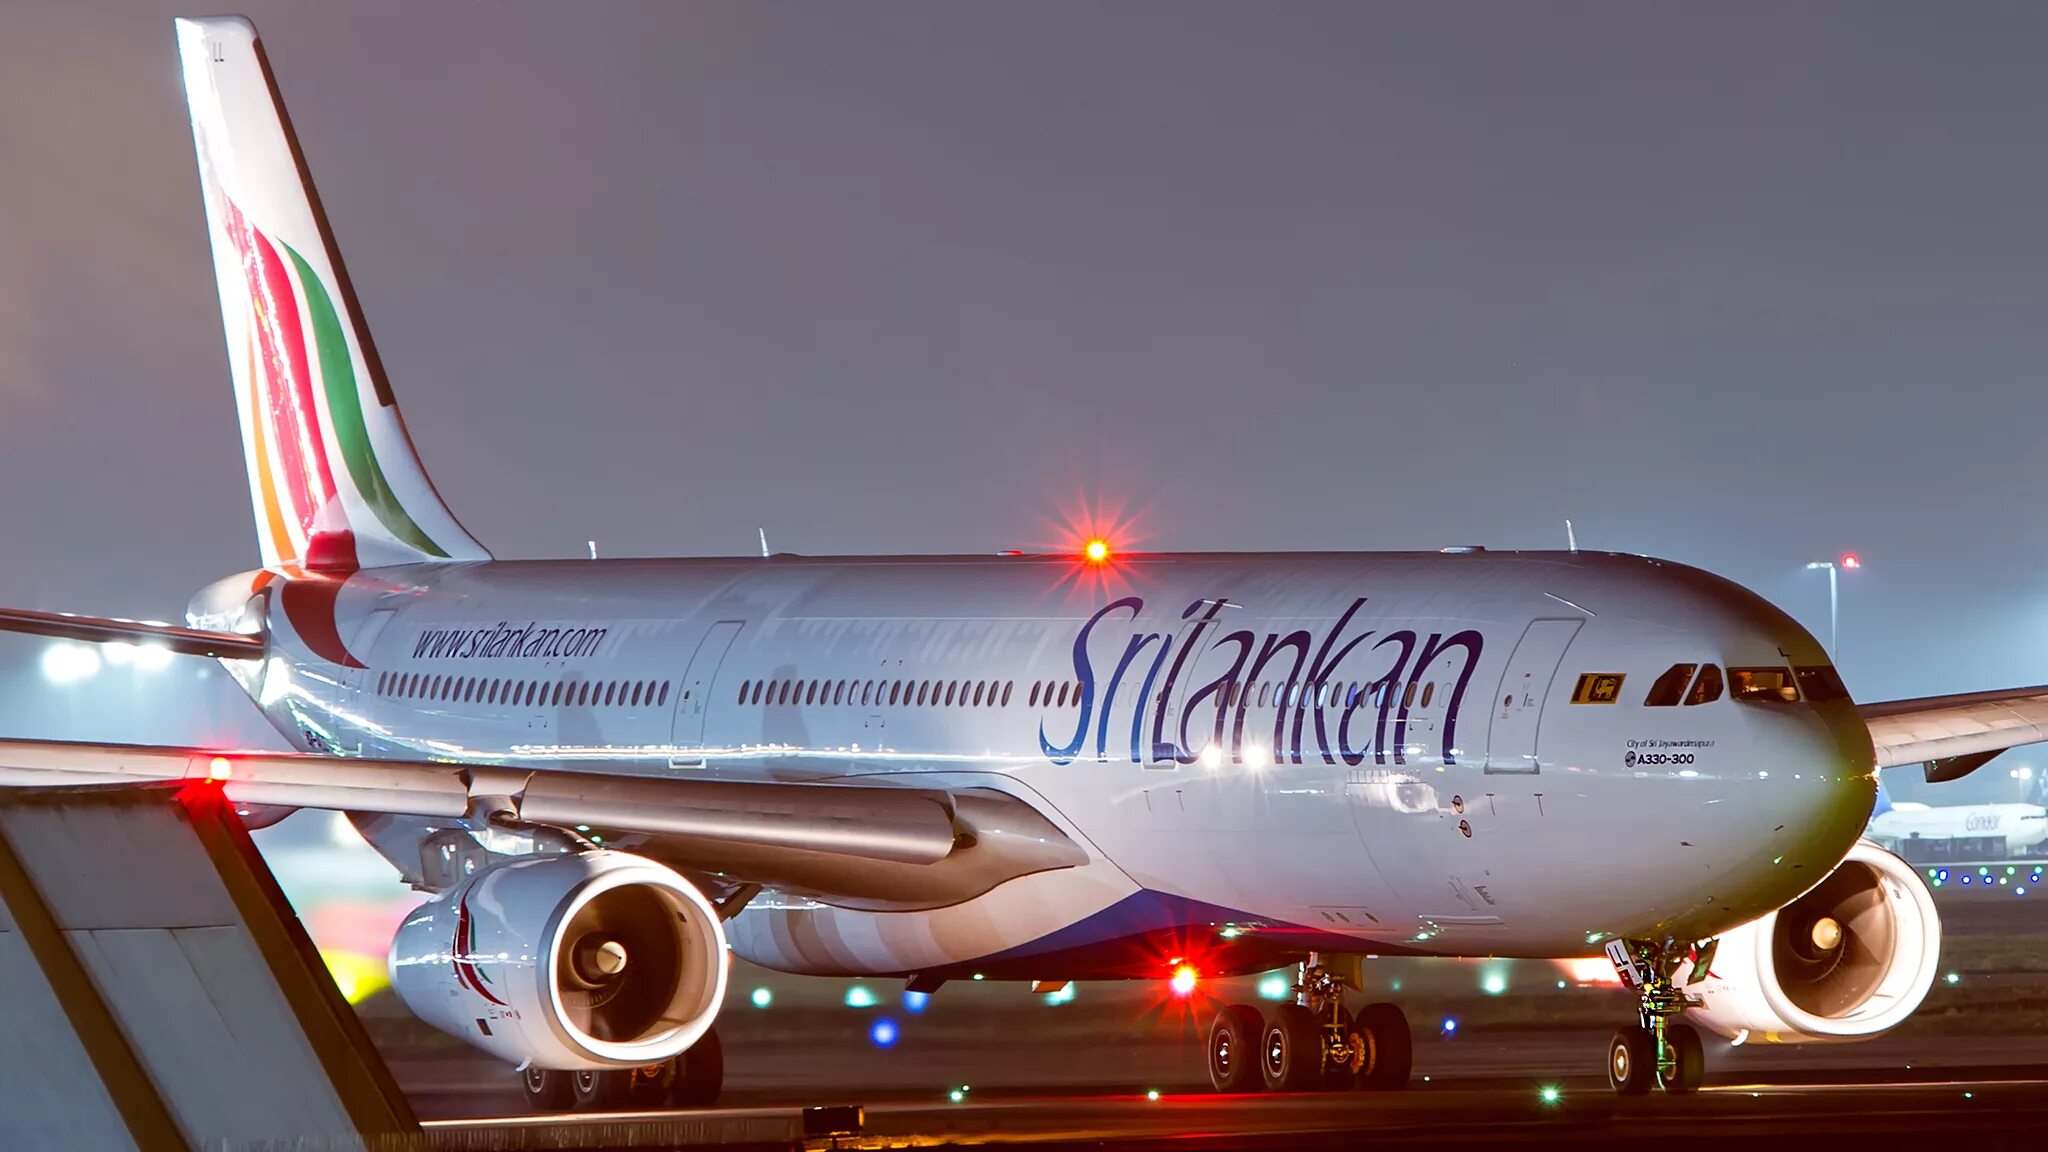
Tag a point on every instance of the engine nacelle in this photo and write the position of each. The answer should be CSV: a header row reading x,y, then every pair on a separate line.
x,y
586,961
1847,961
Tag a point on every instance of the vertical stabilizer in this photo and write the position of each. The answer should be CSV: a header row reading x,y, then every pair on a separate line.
x,y
333,475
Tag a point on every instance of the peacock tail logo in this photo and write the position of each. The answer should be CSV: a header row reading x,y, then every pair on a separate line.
x,y
302,380
468,972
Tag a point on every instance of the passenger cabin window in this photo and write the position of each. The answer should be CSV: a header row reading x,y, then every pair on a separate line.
x,y
1763,685
1428,690
1707,688
1669,687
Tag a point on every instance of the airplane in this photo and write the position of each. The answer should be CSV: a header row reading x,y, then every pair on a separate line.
x,y
2022,827
608,774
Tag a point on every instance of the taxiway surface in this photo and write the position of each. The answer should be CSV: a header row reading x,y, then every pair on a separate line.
x,y
1990,1111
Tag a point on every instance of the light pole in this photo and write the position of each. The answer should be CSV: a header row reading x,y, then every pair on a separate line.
x,y
1850,561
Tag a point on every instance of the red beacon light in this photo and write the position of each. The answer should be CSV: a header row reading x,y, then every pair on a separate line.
x,y
1850,561
1096,550
219,769
1183,982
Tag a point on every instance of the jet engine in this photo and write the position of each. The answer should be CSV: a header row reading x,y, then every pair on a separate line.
x,y
1847,961
586,961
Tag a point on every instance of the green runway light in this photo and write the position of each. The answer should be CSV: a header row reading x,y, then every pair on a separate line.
x,y
956,1095
979,976
1550,1093
1560,983
1274,986
1152,1095
859,997
762,997
1952,978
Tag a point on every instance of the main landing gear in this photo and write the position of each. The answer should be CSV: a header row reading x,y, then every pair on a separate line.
x,y
691,1080
1658,1047
1311,1044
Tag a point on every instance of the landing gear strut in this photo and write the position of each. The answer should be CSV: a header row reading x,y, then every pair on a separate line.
x,y
1310,1044
1658,1047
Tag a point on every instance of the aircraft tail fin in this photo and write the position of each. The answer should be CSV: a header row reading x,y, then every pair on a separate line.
x,y
333,475
1884,800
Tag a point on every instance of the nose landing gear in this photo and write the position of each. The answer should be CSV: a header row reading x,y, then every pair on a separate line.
x,y
1658,1047
1311,1043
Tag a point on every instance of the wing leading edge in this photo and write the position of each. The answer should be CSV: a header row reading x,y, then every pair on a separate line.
x,y
106,630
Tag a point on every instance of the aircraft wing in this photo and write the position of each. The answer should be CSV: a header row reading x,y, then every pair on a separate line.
x,y
106,630
1954,735
804,834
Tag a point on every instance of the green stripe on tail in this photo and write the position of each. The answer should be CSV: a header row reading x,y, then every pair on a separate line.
x,y
345,408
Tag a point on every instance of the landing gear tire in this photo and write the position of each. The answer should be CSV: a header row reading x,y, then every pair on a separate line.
x,y
607,1091
1389,1046
1632,1060
1684,1061
1291,1056
699,1074
547,1089
1234,1039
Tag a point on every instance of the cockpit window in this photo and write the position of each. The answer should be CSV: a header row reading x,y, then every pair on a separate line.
x,y
1707,688
1763,685
1821,683
1670,686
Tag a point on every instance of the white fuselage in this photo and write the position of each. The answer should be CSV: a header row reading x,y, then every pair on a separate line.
x,y
1461,774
